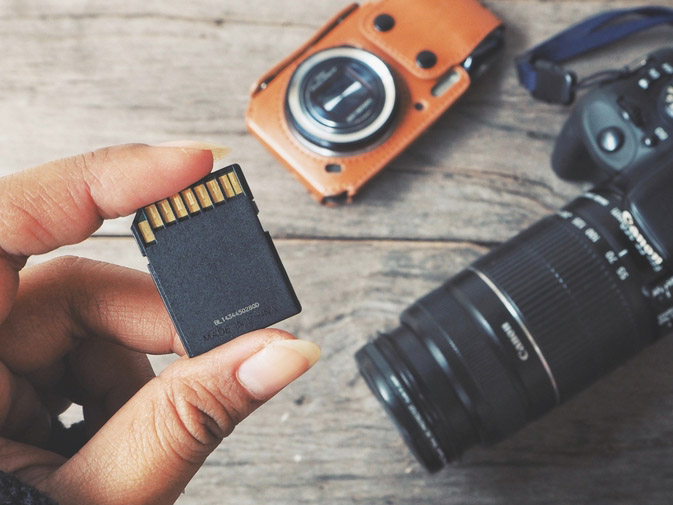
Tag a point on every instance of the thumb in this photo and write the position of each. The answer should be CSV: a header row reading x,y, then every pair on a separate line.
x,y
150,449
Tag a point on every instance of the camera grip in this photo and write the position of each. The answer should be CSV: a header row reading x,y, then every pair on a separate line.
x,y
570,158
651,205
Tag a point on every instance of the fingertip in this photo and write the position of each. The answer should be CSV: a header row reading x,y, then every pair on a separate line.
x,y
64,201
262,362
309,350
219,152
143,174
276,365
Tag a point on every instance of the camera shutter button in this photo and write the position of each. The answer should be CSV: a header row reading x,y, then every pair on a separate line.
x,y
610,139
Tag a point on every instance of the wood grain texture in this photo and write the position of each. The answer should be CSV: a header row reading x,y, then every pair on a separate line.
x,y
325,439
76,75
83,74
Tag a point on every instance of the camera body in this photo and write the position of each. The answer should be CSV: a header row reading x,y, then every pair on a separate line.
x,y
626,122
367,84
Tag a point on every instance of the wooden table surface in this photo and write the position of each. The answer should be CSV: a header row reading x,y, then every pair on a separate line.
x,y
80,74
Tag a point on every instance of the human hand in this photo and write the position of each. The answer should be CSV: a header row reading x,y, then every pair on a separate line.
x,y
76,330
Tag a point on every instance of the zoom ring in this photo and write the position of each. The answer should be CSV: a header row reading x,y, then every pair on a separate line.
x,y
568,299
472,366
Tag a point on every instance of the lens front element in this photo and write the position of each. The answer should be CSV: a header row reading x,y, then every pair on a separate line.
x,y
341,99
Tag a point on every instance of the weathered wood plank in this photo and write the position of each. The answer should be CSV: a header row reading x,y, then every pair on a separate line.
x,y
326,440
90,74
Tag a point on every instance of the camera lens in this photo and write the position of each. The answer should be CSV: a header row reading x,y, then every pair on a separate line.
x,y
521,330
341,99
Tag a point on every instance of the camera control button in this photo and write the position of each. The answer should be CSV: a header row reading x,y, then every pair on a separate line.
x,y
384,22
644,83
426,59
610,139
654,73
661,133
650,141
630,111
667,68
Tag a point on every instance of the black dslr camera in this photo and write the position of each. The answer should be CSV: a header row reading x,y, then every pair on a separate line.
x,y
620,124
557,307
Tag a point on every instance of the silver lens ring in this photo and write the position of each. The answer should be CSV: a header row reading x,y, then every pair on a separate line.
x,y
353,80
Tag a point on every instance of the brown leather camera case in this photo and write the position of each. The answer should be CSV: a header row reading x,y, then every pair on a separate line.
x,y
449,28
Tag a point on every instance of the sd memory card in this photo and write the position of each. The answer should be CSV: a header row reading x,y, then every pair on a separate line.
x,y
216,269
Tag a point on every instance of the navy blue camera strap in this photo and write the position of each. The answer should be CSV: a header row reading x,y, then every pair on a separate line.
x,y
539,71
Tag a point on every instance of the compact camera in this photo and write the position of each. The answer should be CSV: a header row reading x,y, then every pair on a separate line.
x,y
619,124
543,316
368,83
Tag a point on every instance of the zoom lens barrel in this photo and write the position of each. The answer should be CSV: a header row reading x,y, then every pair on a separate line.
x,y
520,331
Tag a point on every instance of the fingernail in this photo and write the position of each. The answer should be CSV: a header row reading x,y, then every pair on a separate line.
x,y
271,369
218,151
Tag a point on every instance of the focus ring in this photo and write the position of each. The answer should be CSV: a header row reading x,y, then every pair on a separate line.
x,y
569,300
472,366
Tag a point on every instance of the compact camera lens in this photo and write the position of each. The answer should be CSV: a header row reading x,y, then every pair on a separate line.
x,y
520,331
341,99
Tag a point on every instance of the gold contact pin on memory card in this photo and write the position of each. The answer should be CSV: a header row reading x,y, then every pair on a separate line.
x,y
146,232
190,201
153,216
202,195
228,189
166,211
179,206
235,183
215,191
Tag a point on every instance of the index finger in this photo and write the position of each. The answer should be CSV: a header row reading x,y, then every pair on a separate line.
x,y
65,201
